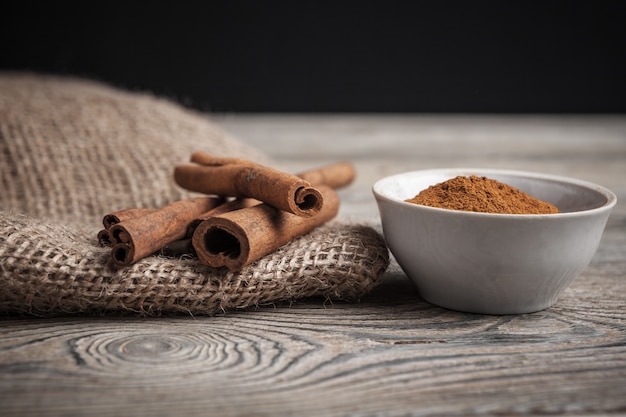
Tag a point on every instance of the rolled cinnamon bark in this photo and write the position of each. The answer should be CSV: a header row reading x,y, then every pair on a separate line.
x,y
234,178
139,237
335,175
104,236
119,216
240,237
177,249
235,204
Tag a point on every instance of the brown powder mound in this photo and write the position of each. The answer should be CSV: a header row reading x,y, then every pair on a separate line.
x,y
481,194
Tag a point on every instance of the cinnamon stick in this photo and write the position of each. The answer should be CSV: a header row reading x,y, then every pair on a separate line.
x,y
235,204
334,175
119,216
177,249
104,236
138,237
239,178
239,237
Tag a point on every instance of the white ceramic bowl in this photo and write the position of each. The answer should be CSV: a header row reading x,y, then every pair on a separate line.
x,y
493,263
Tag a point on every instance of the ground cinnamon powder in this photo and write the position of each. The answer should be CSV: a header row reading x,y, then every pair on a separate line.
x,y
481,194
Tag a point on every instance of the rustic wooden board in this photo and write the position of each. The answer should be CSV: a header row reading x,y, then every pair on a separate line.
x,y
392,353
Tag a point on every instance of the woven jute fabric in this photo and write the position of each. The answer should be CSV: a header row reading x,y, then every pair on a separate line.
x,y
72,150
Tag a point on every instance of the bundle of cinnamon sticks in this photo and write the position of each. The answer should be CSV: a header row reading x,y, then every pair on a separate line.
x,y
248,211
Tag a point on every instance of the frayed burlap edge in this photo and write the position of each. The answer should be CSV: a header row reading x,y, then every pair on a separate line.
x,y
52,270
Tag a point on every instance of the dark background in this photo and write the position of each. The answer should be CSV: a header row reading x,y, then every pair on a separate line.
x,y
291,56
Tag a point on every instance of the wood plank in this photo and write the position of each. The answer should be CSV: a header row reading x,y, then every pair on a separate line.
x,y
388,354
391,354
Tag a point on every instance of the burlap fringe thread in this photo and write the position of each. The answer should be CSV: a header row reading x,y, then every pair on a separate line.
x,y
46,270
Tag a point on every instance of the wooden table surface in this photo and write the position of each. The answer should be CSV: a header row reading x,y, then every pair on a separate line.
x,y
391,354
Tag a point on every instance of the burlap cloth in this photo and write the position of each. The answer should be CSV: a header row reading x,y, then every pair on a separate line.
x,y
73,150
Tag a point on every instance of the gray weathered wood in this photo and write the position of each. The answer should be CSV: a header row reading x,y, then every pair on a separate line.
x,y
392,353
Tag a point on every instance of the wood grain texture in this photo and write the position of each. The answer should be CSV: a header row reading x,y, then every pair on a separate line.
x,y
392,354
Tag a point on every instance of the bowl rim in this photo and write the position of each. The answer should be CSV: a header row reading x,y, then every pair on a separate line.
x,y
611,198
